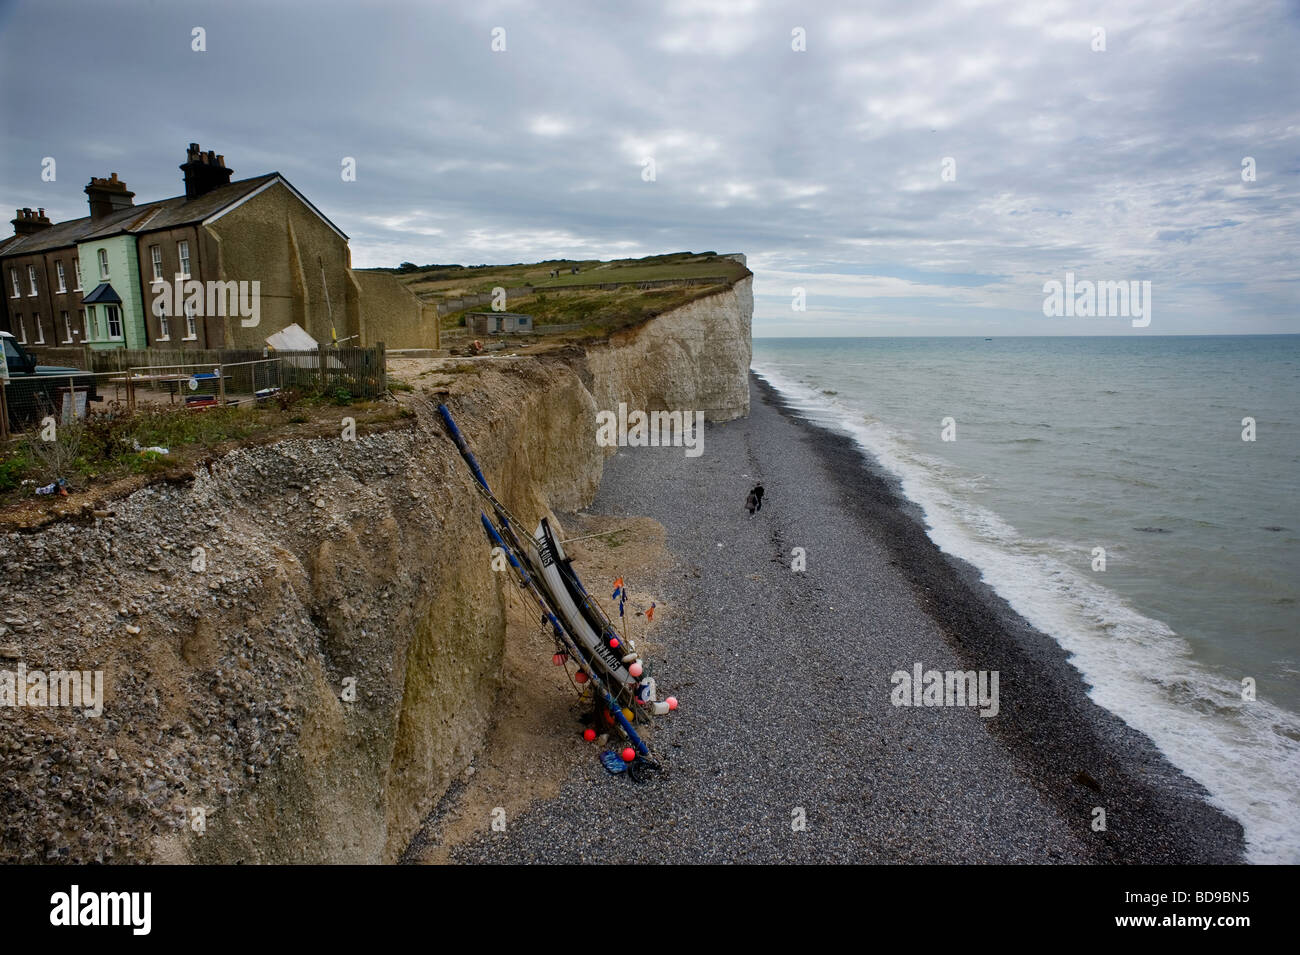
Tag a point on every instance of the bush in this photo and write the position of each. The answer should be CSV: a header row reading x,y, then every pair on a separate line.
x,y
13,465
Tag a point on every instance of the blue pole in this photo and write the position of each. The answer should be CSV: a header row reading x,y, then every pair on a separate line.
x,y
465,452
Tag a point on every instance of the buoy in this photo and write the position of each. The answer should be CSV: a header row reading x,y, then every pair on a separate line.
x,y
659,709
559,659
613,642
672,702
629,754
580,677
628,714
589,735
636,669
630,657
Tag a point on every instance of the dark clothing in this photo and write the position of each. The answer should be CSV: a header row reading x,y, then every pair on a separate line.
x,y
757,495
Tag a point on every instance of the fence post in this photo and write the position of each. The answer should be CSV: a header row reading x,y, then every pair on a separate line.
x,y
221,385
320,359
4,407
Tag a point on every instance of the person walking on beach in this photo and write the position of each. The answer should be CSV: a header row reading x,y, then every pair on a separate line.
x,y
758,496
751,503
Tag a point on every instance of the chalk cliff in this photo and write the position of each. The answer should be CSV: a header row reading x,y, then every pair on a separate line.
x,y
695,358
312,691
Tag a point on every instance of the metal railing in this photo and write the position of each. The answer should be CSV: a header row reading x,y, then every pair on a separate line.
x,y
252,377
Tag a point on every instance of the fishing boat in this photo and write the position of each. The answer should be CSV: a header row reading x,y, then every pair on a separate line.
x,y
563,584
619,682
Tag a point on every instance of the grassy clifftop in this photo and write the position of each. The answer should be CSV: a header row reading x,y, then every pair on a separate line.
x,y
554,299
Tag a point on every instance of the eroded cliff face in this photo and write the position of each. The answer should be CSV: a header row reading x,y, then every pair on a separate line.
x,y
301,647
694,358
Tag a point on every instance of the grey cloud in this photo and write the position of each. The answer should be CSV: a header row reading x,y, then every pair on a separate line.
x,y
1122,164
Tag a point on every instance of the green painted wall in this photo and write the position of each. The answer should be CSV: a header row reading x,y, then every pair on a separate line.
x,y
124,276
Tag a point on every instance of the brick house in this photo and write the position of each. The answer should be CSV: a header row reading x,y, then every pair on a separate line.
x,y
110,279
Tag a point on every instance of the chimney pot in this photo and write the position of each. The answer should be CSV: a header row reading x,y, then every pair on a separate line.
x,y
204,171
107,196
27,222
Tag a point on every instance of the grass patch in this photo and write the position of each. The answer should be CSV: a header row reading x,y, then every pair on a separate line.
x,y
110,445
603,309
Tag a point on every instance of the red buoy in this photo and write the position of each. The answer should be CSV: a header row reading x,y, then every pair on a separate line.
x,y
613,642
672,702
559,659
589,735
629,754
580,677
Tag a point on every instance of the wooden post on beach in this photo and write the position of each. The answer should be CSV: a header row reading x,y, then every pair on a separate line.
x,y
4,407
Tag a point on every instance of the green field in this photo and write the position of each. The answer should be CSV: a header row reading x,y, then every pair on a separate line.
x,y
602,310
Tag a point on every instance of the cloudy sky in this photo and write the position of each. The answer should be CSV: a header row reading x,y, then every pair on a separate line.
x,y
826,165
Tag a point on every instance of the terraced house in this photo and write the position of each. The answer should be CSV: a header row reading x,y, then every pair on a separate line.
x,y
110,279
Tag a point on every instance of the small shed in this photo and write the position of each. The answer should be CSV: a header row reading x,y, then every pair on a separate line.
x,y
498,323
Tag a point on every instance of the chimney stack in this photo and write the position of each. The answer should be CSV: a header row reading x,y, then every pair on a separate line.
x,y
28,222
204,171
107,196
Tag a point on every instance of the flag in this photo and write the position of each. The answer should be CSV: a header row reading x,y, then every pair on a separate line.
x,y
618,589
650,614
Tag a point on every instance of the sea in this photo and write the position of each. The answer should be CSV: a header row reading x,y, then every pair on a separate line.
x,y
1133,497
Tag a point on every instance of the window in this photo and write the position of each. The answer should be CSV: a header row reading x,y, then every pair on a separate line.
x,y
76,266
183,250
18,289
85,324
58,271
22,329
31,279
191,326
114,322
67,329
164,330
40,329
155,253
103,265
